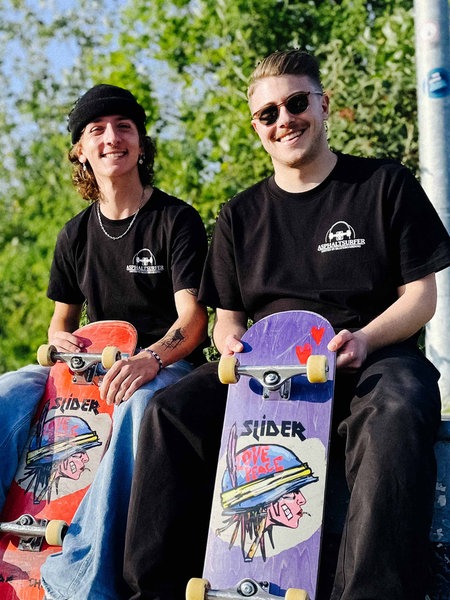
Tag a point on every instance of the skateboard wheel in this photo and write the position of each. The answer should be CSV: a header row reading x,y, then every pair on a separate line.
x,y
110,355
55,532
317,368
294,594
44,355
227,369
197,588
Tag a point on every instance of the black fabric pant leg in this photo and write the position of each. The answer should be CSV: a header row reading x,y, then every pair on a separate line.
x,y
336,497
391,472
172,486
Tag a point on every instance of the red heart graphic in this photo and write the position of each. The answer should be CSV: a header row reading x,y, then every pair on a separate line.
x,y
303,353
317,334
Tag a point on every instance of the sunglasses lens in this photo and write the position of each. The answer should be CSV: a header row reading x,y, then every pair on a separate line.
x,y
269,115
297,104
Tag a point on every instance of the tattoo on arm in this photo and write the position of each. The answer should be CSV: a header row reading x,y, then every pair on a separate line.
x,y
176,337
173,339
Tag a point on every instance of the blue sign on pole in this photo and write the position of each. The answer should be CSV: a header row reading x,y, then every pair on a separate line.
x,y
438,83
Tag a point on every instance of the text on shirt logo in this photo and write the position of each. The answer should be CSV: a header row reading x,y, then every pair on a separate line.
x,y
340,236
144,262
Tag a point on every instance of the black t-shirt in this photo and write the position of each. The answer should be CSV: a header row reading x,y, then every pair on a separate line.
x,y
133,278
340,249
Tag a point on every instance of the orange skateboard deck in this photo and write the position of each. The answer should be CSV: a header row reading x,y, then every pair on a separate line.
x,y
69,435
266,520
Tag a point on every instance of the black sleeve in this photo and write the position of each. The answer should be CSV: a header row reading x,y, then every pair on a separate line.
x,y
63,284
220,284
423,242
188,250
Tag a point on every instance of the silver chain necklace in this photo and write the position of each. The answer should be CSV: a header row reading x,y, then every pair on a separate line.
x,y
117,237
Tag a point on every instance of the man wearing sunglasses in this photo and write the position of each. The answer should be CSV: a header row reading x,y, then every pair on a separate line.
x,y
357,241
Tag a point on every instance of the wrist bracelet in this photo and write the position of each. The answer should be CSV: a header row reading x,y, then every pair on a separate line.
x,y
156,357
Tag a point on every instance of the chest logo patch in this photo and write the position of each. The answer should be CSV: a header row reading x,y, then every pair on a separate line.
x,y
341,236
144,262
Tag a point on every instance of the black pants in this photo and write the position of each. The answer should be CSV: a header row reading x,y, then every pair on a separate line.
x,y
386,417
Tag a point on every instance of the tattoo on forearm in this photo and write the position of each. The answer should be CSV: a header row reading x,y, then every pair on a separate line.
x,y
173,339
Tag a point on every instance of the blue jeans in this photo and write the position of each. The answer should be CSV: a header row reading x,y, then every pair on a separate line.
x,y
20,392
90,564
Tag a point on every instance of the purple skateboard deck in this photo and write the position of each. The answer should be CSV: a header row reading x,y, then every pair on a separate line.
x,y
266,518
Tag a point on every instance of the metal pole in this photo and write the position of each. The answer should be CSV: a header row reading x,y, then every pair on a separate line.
x,y
433,93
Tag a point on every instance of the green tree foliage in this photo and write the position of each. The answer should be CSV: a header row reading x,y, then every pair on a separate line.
x,y
370,72
188,62
36,196
34,211
211,46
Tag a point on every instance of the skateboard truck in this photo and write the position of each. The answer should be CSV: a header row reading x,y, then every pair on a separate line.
x,y
32,532
200,589
84,366
274,378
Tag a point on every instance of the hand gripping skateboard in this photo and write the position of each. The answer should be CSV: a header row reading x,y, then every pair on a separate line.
x,y
266,519
68,438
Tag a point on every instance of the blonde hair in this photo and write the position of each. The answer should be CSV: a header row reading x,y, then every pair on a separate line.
x,y
287,62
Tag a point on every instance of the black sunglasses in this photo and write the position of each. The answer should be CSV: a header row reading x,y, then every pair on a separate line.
x,y
296,104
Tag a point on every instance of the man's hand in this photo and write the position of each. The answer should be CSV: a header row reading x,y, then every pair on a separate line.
x,y
229,328
66,342
352,349
126,376
232,345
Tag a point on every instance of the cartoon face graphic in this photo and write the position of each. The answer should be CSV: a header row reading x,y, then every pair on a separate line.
x,y
57,450
287,511
261,489
73,466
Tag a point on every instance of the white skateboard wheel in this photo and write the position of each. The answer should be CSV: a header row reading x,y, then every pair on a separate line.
x,y
44,355
227,369
294,594
317,368
110,355
54,532
197,588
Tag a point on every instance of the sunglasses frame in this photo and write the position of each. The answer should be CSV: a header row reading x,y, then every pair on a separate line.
x,y
257,115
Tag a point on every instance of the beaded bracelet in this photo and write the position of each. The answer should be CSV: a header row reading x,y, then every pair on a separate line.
x,y
156,357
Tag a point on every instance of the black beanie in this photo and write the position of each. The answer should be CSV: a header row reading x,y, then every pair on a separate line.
x,y
103,100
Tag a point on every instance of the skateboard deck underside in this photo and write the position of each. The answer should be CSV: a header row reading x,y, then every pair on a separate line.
x,y
69,436
268,502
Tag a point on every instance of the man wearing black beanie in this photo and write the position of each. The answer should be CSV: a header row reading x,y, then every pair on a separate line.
x,y
103,100
136,254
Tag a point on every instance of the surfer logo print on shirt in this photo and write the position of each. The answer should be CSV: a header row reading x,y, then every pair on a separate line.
x,y
144,262
341,236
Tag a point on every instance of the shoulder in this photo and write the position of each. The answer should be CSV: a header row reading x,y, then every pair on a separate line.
x,y
244,201
256,190
172,207
363,168
166,201
77,224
